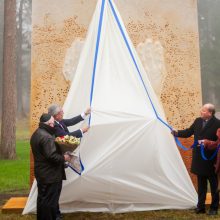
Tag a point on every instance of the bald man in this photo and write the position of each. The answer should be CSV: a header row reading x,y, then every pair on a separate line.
x,y
204,127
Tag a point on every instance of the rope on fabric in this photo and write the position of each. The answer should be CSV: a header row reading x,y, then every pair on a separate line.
x,y
75,170
142,81
132,56
93,74
145,88
96,54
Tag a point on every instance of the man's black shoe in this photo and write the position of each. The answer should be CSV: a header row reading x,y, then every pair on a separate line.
x,y
199,211
213,212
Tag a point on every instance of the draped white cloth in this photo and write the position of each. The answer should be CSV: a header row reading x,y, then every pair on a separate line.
x,y
131,162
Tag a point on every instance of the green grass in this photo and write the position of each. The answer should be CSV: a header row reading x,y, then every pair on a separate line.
x,y
14,174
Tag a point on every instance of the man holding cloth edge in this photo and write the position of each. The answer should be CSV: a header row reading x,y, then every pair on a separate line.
x,y
204,127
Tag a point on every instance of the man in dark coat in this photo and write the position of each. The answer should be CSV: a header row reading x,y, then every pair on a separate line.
x,y
61,124
204,127
48,168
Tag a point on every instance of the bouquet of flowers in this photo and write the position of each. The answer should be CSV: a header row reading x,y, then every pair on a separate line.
x,y
67,143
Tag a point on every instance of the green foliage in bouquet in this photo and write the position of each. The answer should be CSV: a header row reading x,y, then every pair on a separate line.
x,y
67,143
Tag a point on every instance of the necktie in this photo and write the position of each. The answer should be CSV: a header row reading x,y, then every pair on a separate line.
x,y
204,123
62,126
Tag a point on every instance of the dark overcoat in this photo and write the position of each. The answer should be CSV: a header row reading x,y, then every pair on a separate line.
x,y
48,159
199,165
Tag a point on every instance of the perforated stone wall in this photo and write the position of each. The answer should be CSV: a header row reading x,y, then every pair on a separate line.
x,y
171,23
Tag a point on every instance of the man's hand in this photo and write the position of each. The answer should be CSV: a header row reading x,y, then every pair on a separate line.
x,y
85,129
201,142
67,157
174,133
88,111
206,142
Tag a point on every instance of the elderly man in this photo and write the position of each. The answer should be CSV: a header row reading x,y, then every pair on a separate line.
x,y
204,127
48,168
61,124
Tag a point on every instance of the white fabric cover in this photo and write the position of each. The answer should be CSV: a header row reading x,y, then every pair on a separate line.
x,y
130,158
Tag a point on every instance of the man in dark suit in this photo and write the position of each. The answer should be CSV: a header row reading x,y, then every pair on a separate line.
x,y
204,127
60,129
61,125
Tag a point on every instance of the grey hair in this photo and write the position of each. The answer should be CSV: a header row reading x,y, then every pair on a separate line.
x,y
54,109
210,107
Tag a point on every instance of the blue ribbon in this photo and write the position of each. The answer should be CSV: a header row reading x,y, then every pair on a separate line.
x,y
74,170
202,150
131,54
145,88
82,167
138,71
96,54
93,73
185,148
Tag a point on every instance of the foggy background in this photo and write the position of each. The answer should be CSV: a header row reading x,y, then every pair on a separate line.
x,y
209,34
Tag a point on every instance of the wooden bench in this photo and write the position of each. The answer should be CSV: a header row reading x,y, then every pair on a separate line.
x,y
14,205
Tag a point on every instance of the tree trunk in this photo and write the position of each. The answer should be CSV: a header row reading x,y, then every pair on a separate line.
x,y
8,131
23,59
19,61
1,51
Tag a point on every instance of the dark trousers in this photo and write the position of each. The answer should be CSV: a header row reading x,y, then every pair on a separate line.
x,y
202,190
48,200
58,213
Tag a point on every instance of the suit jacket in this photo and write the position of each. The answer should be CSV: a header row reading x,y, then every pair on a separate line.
x,y
62,130
199,165
48,159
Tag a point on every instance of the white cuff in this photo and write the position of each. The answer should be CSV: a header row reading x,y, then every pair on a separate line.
x,y
83,115
81,132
